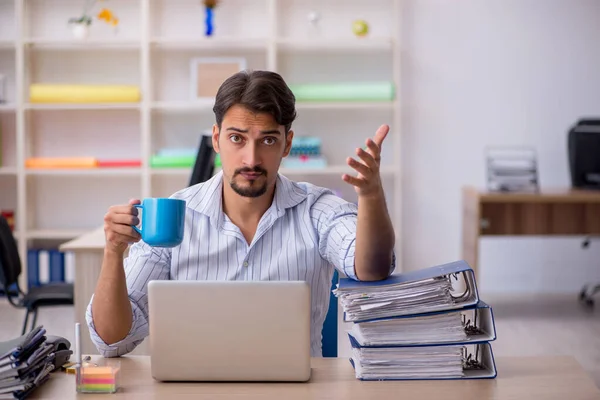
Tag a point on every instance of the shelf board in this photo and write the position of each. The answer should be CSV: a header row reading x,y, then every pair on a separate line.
x,y
125,172
7,107
183,105
334,105
7,44
82,106
332,170
345,105
221,43
8,170
90,44
55,233
171,171
335,45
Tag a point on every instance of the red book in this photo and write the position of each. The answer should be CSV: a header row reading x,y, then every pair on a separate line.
x,y
119,163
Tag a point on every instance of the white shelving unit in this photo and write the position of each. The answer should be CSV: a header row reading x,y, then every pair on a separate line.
x,y
152,48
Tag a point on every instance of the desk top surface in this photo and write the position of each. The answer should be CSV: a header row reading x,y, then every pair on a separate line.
x,y
544,195
92,240
333,378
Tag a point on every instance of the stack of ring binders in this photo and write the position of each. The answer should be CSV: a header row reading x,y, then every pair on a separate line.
x,y
419,325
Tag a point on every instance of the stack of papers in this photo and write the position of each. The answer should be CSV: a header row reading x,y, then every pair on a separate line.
x,y
414,325
390,298
409,362
25,364
436,328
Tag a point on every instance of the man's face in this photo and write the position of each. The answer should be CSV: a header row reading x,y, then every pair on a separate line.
x,y
251,147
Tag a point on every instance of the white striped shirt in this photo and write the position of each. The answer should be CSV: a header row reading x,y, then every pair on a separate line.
x,y
306,232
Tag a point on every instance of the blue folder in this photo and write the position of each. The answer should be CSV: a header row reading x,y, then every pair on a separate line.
x,y
479,321
15,348
451,268
57,265
458,270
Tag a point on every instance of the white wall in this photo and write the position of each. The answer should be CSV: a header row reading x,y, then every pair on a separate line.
x,y
494,72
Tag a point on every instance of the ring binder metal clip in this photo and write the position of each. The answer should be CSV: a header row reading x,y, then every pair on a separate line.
x,y
470,362
471,328
467,291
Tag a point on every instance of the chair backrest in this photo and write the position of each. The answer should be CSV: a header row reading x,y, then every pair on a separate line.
x,y
205,161
10,262
329,341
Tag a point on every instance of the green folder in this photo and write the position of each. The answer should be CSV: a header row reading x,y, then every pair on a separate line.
x,y
344,91
178,161
172,161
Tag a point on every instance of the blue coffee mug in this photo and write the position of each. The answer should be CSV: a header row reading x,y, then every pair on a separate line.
x,y
163,221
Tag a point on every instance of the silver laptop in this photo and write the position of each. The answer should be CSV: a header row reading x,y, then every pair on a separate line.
x,y
229,330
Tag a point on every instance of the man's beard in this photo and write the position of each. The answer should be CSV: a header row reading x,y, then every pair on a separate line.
x,y
253,190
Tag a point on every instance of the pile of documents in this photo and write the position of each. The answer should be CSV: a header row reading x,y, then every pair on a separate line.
x,y
512,169
427,324
395,298
25,364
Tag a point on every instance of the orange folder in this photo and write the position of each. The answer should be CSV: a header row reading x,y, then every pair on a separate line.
x,y
61,162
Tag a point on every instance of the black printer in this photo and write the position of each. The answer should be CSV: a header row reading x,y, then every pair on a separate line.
x,y
584,154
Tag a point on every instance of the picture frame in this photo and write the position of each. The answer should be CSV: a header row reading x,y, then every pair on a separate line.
x,y
208,73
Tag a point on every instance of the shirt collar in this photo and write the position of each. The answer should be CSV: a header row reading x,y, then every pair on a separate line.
x,y
208,198
288,194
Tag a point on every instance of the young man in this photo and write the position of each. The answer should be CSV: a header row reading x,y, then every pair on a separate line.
x,y
248,222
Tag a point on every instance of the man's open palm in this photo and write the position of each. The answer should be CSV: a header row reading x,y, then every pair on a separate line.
x,y
368,181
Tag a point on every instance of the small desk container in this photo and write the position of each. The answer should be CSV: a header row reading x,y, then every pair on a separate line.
x,y
96,378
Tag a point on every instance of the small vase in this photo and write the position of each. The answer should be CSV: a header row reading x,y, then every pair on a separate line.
x,y
209,22
80,31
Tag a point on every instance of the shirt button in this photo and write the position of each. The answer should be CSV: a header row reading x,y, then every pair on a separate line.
x,y
245,263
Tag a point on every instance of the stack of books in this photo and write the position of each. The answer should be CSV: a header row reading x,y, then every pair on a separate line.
x,y
426,324
306,152
25,364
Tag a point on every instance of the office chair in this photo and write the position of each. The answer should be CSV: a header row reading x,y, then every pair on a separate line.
x,y
204,165
329,334
588,291
54,294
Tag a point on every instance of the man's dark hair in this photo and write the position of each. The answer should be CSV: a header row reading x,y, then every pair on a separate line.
x,y
258,91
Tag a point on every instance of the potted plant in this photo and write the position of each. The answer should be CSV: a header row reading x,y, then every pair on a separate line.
x,y
80,26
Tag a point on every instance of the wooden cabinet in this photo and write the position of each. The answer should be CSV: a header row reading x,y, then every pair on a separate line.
x,y
559,213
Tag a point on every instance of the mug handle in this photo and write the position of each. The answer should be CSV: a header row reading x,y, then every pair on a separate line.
x,y
138,230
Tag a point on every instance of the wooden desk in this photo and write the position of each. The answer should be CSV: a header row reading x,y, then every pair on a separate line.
x,y
545,378
88,250
558,213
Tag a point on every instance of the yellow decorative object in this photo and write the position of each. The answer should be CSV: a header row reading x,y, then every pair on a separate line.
x,y
107,15
360,27
52,93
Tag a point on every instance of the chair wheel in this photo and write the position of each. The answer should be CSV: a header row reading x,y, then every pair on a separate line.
x,y
584,298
